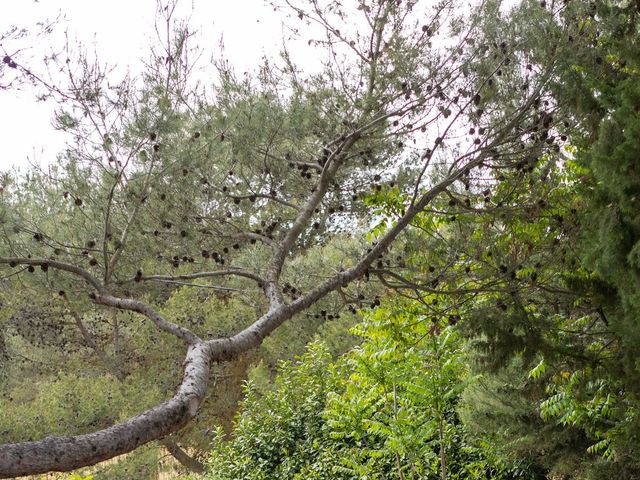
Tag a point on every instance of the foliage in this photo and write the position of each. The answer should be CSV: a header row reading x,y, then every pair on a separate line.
x,y
387,408
584,386
509,346
279,432
390,414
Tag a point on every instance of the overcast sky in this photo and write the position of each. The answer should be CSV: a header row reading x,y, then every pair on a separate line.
x,y
120,31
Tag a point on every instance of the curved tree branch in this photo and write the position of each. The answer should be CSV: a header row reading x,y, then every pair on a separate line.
x,y
62,454
45,263
141,307
103,298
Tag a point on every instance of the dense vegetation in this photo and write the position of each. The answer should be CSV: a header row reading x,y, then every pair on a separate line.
x,y
420,263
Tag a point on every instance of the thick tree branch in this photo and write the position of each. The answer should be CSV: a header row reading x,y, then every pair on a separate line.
x,y
358,270
252,336
62,454
331,166
224,349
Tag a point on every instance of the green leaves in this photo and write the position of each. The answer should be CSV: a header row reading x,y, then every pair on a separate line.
x,y
539,370
397,390
279,431
386,406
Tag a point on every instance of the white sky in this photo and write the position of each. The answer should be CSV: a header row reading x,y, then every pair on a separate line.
x,y
120,31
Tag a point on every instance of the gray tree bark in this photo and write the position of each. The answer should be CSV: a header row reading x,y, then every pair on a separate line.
x,y
63,454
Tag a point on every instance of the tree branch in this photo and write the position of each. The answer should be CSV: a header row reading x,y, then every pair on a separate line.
x,y
144,309
67,267
343,278
90,340
201,285
409,285
331,166
197,275
62,454
264,195
181,456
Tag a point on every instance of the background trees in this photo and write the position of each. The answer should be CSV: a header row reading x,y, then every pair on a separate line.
x,y
583,370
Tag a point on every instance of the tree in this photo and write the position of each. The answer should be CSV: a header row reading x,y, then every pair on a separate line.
x,y
582,362
391,419
164,186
